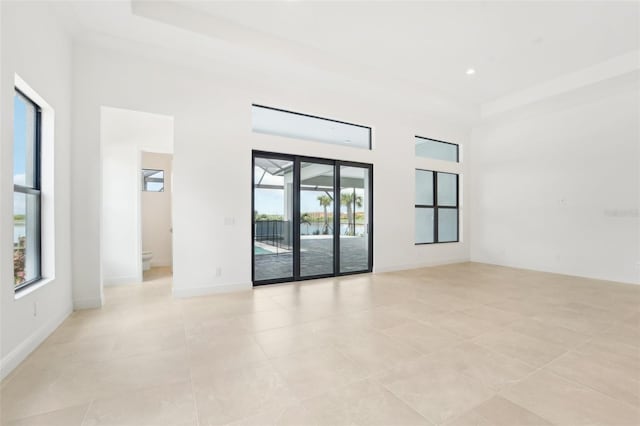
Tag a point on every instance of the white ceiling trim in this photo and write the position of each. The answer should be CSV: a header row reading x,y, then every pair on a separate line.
x,y
258,44
611,68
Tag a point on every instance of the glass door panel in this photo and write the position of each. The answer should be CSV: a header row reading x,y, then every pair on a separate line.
x,y
311,218
272,218
316,223
355,205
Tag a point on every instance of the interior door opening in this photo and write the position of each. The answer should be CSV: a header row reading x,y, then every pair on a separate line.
x,y
136,158
312,218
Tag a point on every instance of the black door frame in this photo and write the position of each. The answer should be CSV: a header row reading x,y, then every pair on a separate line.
x,y
297,160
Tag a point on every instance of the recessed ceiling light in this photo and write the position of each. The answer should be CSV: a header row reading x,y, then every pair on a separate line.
x,y
471,71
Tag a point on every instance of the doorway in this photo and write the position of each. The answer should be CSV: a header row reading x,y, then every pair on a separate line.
x,y
136,189
312,218
155,215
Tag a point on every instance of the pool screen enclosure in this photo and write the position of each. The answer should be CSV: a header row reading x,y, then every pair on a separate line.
x,y
311,218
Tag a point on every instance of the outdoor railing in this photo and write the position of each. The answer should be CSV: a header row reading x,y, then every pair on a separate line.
x,y
274,232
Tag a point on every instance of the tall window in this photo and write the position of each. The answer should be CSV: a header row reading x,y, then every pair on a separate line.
x,y
26,191
436,207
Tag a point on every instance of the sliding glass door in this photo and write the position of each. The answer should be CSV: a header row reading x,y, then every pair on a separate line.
x,y
311,218
317,195
272,218
355,224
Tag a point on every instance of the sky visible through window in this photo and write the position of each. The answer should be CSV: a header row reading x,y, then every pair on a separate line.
x,y
19,136
19,163
19,149
271,201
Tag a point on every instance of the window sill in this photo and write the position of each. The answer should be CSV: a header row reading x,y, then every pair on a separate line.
x,y
31,288
438,242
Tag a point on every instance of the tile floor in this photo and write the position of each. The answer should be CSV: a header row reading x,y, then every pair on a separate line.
x,y
316,258
465,344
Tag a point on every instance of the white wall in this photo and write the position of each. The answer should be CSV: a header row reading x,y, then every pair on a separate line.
x,y
43,59
556,184
156,211
120,214
212,158
124,134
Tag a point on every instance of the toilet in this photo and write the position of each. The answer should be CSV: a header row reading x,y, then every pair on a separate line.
x,y
146,260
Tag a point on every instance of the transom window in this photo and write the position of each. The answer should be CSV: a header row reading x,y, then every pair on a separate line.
x,y
26,191
437,150
279,122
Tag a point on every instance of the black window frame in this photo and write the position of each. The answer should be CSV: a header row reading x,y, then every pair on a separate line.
x,y
436,207
35,190
297,160
370,129
439,141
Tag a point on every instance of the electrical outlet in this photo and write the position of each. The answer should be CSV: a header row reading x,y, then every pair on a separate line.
x,y
218,271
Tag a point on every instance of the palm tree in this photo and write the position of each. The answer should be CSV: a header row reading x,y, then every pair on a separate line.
x,y
350,199
306,219
325,201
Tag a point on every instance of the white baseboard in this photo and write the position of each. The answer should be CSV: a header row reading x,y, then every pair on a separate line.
x,y
79,304
160,263
28,345
126,279
558,271
405,267
210,289
228,288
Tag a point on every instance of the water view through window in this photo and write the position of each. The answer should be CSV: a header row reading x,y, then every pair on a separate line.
x,y
311,218
26,193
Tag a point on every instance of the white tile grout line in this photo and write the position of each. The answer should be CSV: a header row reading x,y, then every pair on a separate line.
x,y
498,327
589,340
376,373
193,392
499,392
86,413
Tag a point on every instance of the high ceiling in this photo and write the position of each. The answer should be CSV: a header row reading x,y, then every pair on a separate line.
x,y
511,45
429,45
